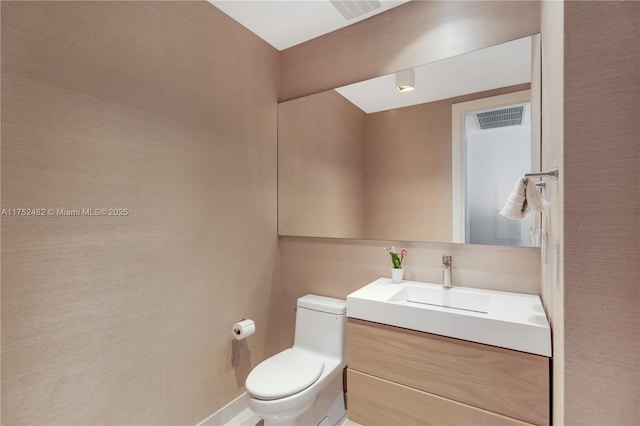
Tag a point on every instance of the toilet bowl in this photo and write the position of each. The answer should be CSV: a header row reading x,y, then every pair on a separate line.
x,y
303,385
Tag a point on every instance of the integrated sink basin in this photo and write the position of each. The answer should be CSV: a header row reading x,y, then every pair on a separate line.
x,y
452,298
508,320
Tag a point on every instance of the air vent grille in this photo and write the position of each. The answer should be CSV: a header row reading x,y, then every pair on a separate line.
x,y
511,116
351,9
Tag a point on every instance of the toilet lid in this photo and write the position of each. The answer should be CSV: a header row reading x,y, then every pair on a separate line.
x,y
284,374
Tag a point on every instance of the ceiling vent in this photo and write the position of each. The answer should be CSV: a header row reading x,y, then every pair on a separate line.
x,y
351,9
504,117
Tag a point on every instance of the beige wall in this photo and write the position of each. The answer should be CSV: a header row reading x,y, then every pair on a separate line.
x,y
409,170
602,213
409,173
413,34
321,167
126,320
335,268
552,218
169,110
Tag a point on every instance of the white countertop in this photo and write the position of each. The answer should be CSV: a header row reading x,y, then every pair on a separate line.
x,y
508,320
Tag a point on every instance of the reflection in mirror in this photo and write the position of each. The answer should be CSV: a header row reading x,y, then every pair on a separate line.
x,y
366,161
492,148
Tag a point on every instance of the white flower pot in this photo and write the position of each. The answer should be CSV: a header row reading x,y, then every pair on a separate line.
x,y
396,275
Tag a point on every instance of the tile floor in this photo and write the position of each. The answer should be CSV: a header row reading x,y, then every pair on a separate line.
x,y
249,418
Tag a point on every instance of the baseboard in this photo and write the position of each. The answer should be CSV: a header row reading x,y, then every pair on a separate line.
x,y
226,413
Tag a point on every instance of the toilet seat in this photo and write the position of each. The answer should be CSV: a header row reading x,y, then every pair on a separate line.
x,y
284,374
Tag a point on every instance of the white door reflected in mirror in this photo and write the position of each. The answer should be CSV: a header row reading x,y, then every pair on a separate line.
x,y
498,152
492,147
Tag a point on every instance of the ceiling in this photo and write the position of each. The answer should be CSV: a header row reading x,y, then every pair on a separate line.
x,y
503,65
283,24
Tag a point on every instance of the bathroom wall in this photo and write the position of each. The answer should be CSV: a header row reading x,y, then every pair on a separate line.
x,y
167,109
324,135
552,148
409,153
602,213
412,34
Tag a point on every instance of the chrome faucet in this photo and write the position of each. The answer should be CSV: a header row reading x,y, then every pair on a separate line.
x,y
446,271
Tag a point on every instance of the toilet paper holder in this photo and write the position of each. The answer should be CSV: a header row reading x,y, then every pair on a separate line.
x,y
243,329
236,331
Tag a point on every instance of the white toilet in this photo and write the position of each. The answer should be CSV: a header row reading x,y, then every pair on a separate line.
x,y
303,385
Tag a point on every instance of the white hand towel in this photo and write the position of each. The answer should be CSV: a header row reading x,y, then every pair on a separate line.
x,y
524,199
535,203
515,202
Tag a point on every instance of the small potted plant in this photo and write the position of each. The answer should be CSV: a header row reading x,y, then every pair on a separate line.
x,y
397,256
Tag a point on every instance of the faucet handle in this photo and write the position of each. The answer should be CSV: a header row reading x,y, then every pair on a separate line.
x,y
446,260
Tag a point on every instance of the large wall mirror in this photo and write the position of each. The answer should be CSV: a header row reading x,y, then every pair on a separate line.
x,y
434,164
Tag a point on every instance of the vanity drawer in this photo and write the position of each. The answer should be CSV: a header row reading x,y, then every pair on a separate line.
x,y
511,383
374,401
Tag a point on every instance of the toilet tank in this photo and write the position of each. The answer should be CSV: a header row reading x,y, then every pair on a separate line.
x,y
321,325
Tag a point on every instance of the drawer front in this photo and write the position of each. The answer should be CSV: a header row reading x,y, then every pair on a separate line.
x,y
503,381
374,401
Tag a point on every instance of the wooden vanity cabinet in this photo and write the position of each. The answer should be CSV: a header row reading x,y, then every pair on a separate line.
x,y
405,377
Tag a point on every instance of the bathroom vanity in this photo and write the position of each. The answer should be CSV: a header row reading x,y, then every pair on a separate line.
x,y
424,367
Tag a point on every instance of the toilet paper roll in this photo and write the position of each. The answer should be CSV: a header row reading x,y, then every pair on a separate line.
x,y
243,329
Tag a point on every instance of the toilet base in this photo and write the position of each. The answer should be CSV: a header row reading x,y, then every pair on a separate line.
x,y
327,409
330,404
